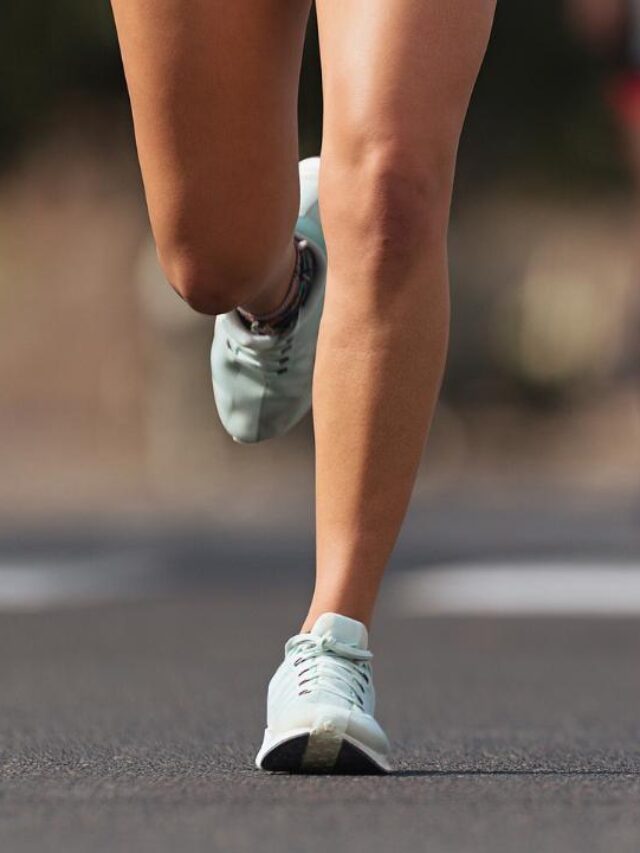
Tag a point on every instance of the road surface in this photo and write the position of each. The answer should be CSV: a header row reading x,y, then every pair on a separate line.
x,y
130,714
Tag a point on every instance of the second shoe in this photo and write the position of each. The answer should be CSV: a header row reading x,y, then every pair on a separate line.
x,y
262,383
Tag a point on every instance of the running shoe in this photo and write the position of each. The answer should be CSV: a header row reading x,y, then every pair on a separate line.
x,y
321,703
262,382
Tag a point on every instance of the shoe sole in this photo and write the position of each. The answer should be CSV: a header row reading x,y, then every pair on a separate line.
x,y
308,751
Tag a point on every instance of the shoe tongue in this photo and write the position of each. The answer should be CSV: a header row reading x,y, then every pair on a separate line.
x,y
344,630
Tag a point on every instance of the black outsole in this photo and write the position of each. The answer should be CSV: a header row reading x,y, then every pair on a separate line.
x,y
288,758
352,761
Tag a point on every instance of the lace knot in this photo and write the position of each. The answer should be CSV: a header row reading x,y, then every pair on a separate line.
x,y
331,666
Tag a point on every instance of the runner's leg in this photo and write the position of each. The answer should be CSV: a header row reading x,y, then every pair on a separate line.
x,y
395,100
214,98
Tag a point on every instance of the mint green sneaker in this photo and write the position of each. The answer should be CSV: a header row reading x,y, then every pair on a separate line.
x,y
262,383
321,704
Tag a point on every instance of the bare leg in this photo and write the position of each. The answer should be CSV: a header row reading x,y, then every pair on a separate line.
x,y
395,100
214,95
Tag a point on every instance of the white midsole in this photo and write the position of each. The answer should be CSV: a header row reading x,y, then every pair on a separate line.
x,y
322,749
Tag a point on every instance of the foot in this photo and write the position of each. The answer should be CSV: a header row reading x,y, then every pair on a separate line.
x,y
321,704
262,383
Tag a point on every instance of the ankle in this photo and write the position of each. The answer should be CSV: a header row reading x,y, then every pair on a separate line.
x,y
274,287
351,610
285,313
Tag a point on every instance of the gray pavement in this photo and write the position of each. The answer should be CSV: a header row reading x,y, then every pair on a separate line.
x,y
131,724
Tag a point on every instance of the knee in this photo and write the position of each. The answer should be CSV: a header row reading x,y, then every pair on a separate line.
x,y
392,203
213,284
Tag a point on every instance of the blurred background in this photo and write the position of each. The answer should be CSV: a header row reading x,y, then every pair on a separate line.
x,y
132,725
106,413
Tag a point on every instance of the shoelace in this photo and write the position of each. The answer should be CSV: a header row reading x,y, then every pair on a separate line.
x,y
341,670
273,360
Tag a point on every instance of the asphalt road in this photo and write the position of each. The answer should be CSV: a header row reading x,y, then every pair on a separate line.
x,y
130,723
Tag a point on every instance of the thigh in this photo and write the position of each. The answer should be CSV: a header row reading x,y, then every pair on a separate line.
x,y
213,87
398,74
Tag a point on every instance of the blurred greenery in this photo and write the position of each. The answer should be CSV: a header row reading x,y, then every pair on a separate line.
x,y
536,101
54,52
538,108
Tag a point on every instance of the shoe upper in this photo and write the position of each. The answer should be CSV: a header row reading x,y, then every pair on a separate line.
x,y
262,383
325,675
